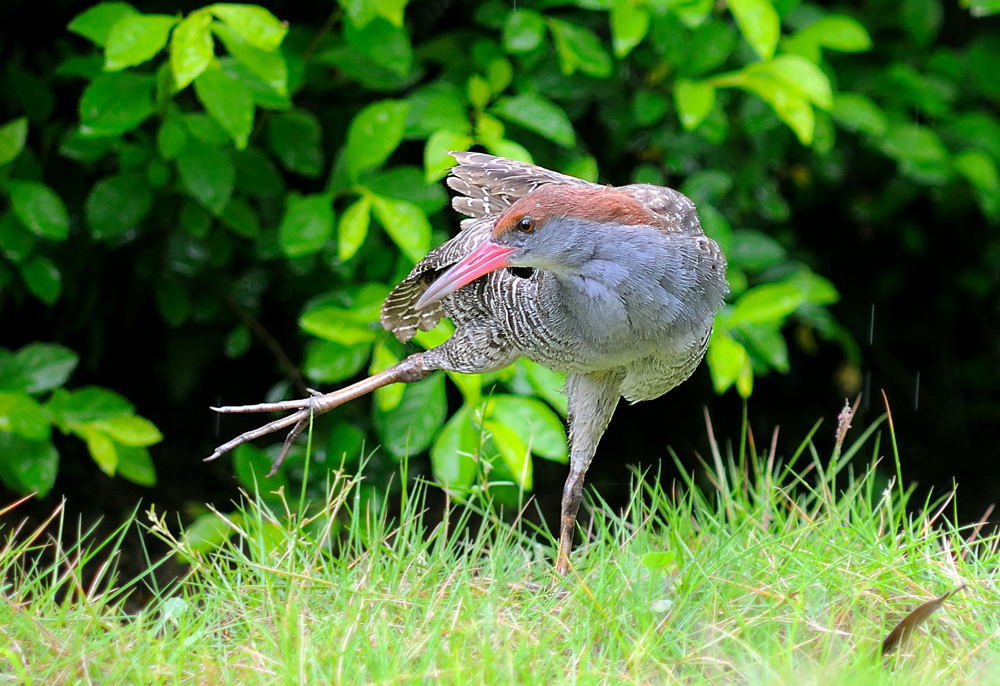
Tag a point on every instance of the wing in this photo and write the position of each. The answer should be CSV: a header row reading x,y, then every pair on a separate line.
x,y
488,185
674,210
398,314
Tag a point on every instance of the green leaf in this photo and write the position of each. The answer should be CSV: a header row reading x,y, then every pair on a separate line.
x,y
208,532
410,427
16,243
374,133
295,139
344,443
206,129
87,404
765,343
33,93
271,67
130,430
537,114
790,106
499,74
727,360
913,143
981,171
438,106
348,323
254,24
455,452
191,48
514,452
95,23
579,49
478,90
22,414
39,209
405,223
582,167
256,175
523,31
43,279
228,101
117,205
207,174
815,288
382,45
659,563
755,251
692,12
694,101
921,19
759,23
798,75
538,426
28,466
171,138
437,157
649,107
361,12
136,38
252,466
307,224
237,342
858,113
387,397
840,32
37,367
629,25
13,135
405,182
101,448
330,362
508,149
766,303
982,8
707,186
114,104
547,384
352,229
136,465
241,218
708,47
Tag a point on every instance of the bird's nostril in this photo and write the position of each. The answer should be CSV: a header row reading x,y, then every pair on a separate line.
x,y
522,272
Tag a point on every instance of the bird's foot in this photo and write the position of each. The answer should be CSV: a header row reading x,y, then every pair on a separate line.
x,y
304,410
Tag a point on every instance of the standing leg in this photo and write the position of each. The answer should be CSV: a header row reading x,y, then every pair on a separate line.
x,y
592,400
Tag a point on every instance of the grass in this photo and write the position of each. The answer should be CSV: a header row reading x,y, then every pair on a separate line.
x,y
755,573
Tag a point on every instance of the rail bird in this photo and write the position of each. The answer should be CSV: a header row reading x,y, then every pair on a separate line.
x,y
615,286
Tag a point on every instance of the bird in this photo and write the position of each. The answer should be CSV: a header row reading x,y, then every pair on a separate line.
x,y
617,287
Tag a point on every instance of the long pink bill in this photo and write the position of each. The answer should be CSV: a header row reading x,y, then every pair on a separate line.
x,y
486,258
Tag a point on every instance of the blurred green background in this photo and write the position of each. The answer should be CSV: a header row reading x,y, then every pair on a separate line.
x,y
205,204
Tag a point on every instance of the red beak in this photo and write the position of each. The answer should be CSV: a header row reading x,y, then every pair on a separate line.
x,y
486,258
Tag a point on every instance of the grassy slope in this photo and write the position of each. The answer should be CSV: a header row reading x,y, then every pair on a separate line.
x,y
756,577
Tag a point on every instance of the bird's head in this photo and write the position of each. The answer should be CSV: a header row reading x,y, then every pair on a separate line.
x,y
556,228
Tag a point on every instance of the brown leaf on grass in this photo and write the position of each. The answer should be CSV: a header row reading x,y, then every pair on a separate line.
x,y
913,620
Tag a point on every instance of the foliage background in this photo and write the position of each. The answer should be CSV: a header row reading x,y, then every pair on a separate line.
x,y
198,207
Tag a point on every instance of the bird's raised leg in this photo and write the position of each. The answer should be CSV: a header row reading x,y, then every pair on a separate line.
x,y
592,400
413,368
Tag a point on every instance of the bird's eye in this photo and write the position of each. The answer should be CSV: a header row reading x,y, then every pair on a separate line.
x,y
526,225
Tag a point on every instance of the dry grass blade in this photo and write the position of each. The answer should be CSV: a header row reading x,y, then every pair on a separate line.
x,y
913,620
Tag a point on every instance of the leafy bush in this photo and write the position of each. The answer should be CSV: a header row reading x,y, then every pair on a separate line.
x,y
244,163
